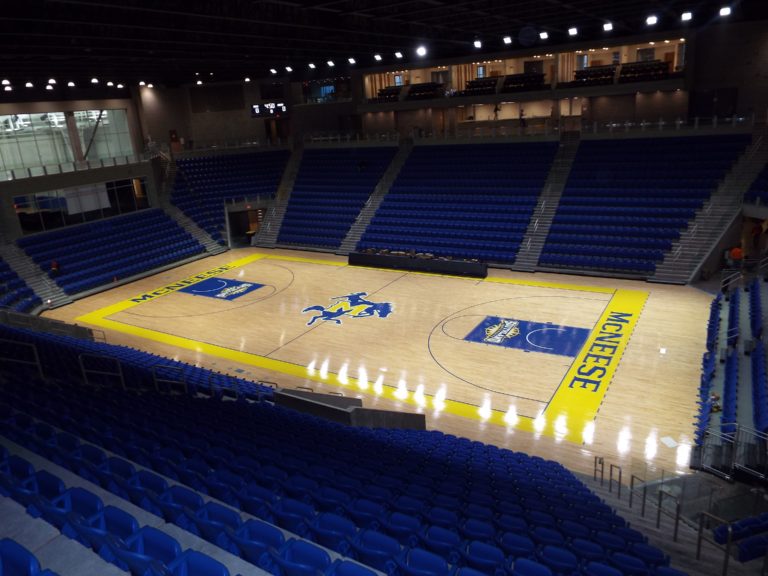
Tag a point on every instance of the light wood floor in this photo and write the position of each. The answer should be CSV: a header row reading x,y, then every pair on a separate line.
x,y
417,359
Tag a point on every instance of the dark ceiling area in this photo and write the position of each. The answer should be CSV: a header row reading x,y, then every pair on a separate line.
x,y
179,41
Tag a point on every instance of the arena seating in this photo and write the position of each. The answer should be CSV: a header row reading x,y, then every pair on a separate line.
x,y
644,71
479,87
17,560
14,292
523,82
94,254
204,183
396,500
758,191
627,200
331,188
388,94
462,201
425,91
592,76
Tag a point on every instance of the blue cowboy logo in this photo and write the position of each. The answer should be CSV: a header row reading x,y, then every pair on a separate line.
x,y
354,305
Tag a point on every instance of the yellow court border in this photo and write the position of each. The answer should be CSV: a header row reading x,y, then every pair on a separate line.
x,y
569,415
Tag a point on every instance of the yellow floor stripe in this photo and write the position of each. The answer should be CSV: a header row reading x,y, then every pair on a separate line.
x,y
568,416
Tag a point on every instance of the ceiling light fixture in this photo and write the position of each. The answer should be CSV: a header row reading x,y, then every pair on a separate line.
x,y
507,40
351,60
398,54
652,20
686,16
377,57
330,63
71,84
29,85
421,51
478,43
573,31
725,11
543,35
288,69
312,66
608,26
273,70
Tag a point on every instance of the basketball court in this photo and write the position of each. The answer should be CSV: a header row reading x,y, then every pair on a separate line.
x,y
539,362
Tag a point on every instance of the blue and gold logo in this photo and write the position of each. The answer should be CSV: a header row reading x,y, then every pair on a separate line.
x,y
352,305
497,333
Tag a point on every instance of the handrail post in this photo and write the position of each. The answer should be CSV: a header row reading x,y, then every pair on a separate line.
x,y
599,465
728,542
610,479
632,479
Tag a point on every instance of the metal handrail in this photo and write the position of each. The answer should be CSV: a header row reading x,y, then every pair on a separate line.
x,y
700,537
632,479
599,466
182,380
118,373
610,479
34,362
662,495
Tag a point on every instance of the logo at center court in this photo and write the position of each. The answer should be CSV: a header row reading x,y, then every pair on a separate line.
x,y
353,305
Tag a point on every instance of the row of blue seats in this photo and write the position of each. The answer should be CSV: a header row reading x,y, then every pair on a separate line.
x,y
758,190
730,397
455,251
332,529
447,216
436,240
596,240
469,232
603,250
509,225
16,560
759,389
598,263
734,319
755,309
666,212
657,221
641,232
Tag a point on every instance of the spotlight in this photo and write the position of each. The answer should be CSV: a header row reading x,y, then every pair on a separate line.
x,y
351,60
398,54
311,66
608,26
652,20
247,79
71,84
94,80
543,35
29,85
573,31
120,86
142,83
110,83
330,63
48,87
52,81
199,82
725,11
478,43
421,51
686,16
377,57
8,89
288,69
273,71
150,85
6,82
507,40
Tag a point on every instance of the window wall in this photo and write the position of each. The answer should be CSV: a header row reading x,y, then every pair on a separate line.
x,y
32,141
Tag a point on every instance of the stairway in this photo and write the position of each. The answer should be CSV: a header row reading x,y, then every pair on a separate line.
x,y
683,551
377,197
211,246
273,219
538,228
35,278
683,260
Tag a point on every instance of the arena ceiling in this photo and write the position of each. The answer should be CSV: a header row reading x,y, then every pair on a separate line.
x,y
178,41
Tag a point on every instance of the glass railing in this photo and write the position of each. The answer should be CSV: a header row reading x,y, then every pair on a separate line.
x,y
66,167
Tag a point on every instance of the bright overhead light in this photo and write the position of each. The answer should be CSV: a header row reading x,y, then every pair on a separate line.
x,y
543,35
120,86
49,87
8,88
110,83
94,80
725,11
142,83
351,60
421,51
6,82
71,84
608,26
686,16
330,63
652,20
273,71
398,54
507,39
312,66
199,82
52,81
573,31
150,85
29,85
288,69
247,79
478,43
377,57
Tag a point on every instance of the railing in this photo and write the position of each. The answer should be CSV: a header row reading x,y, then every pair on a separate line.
x,y
165,384
632,479
350,137
66,167
665,494
16,359
117,373
700,536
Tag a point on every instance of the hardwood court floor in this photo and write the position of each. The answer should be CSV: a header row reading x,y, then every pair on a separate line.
x,y
566,367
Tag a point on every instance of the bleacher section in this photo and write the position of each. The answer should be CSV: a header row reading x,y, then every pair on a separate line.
x,y
95,254
758,191
331,188
203,184
644,71
425,91
14,292
462,201
626,201
400,501
593,76
523,82
479,87
388,94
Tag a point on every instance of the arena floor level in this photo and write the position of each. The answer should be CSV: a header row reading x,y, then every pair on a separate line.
x,y
566,367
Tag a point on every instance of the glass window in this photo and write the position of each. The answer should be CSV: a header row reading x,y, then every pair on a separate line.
x,y
398,80
646,54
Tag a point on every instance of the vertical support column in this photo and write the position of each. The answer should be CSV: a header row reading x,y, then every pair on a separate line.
x,y
9,222
74,137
